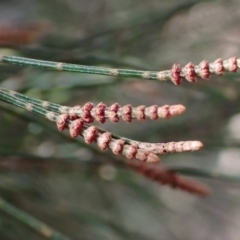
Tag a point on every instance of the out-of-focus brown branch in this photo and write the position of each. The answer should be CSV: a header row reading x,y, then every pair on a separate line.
x,y
12,35
164,176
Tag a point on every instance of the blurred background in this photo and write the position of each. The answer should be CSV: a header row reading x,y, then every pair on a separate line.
x,y
82,193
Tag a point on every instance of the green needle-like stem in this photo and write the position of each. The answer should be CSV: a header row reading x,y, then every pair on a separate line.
x,y
33,223
27,106
124,73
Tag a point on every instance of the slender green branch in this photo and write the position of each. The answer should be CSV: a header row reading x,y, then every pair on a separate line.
x,y
33,223
27,106
175,74
79,68
50,128
129,148
101,112
90,133
156,148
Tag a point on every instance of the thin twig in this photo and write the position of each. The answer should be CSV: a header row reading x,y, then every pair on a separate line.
x,y
165,176
88,112
90,133
175,74
156,148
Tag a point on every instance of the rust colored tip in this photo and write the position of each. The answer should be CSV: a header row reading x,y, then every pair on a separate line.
x,y
196,145
177,109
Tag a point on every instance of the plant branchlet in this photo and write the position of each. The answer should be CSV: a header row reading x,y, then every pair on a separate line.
x,y
77,119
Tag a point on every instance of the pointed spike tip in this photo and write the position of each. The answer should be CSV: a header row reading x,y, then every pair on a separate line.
x,y
176,110
196,145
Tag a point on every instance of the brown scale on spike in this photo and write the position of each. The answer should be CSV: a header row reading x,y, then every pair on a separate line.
x,y
86,112
146,156
117,146
101,112
113,112
140,113
175,74
204,69
104,140
232,64
74,112
131,151
153,112
190,73
90,134
218,67
61,121
168,111
127,113
76,127
166,177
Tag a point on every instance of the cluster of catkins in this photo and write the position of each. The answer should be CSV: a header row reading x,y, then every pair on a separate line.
x,y
77,119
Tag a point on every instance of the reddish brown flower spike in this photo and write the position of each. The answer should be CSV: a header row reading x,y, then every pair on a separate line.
x,y
175,74
61,121
75,127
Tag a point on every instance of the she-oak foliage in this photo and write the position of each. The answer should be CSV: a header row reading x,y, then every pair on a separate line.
x,y
78,119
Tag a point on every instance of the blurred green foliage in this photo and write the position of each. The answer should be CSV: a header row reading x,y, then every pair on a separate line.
x,y
72,187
